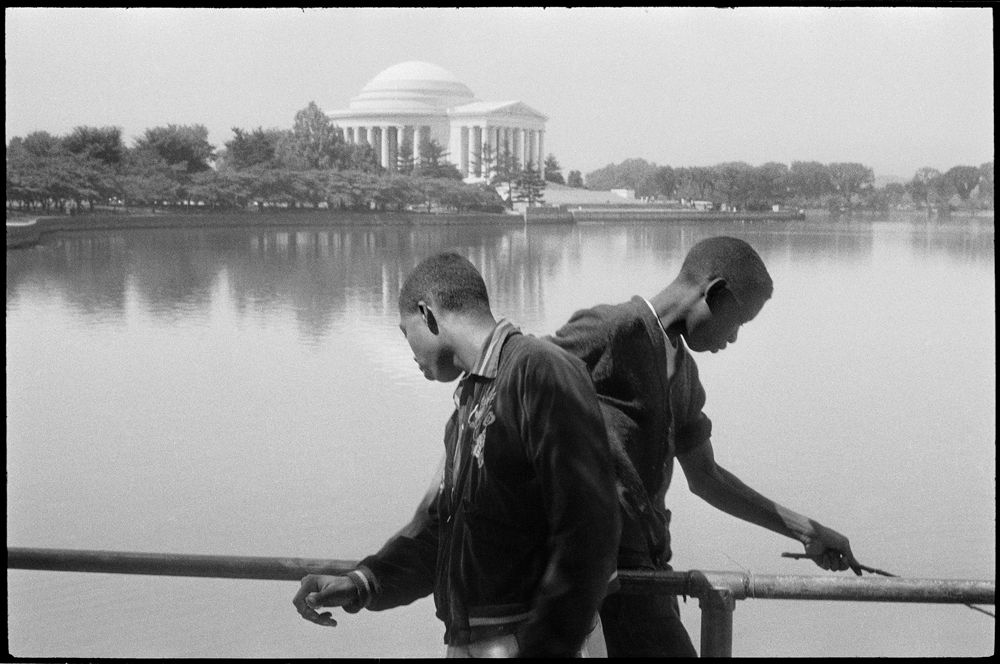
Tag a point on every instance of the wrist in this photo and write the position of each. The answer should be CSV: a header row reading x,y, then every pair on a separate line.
x,y
364,588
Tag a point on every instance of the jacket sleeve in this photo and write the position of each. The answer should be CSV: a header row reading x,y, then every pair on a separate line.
x,y
563,431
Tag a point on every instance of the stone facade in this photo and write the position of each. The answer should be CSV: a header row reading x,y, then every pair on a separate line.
x,y
412,103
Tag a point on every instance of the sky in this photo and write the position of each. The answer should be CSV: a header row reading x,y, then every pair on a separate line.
x,y
897,88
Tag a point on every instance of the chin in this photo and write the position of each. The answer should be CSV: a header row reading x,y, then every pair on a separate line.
x,y
442,375
694,346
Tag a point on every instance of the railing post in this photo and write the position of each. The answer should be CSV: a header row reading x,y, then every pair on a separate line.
x,y
717,605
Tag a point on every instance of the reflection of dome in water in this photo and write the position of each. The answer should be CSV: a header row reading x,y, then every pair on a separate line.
x,y
412,85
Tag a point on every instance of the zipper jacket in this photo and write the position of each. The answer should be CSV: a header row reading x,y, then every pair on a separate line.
x,y
522,534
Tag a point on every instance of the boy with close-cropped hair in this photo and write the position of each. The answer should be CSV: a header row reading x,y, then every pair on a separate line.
x,y
517,538
652,400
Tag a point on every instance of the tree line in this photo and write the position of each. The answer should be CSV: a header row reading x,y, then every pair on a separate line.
x,y
836,186
309,165
312,165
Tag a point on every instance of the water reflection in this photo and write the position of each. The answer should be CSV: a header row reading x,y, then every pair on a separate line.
x,y
325,274
233,367
320,274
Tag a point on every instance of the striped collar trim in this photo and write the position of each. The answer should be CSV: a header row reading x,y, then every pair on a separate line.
x,y
489,360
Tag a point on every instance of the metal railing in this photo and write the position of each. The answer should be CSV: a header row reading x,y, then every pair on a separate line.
x,y
717,592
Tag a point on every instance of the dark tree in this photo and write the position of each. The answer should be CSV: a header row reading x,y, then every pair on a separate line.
x,y
529,187
660,181
253,148
963,179
184,147
507,171
314,142
552,170
101,143
850,178
921,186
434,165
810,180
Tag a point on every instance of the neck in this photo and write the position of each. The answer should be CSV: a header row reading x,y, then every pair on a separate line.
x,y
672,305
467,334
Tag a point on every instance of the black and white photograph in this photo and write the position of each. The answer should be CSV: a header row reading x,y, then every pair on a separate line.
x,y
423,332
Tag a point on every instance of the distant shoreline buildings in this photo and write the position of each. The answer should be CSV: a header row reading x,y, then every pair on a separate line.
x,y
412,103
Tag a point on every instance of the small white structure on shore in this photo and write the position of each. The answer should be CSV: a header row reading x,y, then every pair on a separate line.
x,y
415,102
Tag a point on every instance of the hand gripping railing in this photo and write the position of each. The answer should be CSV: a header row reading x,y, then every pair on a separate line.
x,y
717,592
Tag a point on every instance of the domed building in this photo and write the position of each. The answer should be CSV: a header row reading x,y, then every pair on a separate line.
x,y
412,103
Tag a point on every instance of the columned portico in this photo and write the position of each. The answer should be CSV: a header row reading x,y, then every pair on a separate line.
x,y
480,145
424,103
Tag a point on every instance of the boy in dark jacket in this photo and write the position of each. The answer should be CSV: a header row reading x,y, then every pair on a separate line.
x,y
519,543
652,400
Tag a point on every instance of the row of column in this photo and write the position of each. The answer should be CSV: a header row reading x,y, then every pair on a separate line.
x,y
468,145
473,142
386,140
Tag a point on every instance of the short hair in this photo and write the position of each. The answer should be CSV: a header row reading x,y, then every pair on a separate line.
x,y
735,261
447,279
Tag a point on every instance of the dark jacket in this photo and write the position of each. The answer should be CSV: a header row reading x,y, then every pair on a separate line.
x,y
652,401
525,540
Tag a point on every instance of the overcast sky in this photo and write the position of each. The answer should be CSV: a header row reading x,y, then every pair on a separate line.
x,y
894,88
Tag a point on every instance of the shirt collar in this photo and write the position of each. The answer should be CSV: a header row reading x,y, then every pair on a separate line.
x,y
670,342
489,360
653,311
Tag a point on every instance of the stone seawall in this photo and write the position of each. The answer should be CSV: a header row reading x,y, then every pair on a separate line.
x,y
22,233
30,230
668,214
25,233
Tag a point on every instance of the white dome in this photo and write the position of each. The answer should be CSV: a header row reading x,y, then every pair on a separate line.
x,y
412,86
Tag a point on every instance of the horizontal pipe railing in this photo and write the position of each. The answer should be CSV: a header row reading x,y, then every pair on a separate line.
x,y
173,564
717,591
783,586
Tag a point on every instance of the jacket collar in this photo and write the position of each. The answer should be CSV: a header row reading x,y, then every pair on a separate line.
x,y
489,359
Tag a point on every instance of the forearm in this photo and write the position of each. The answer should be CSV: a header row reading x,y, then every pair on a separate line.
x,y
401,572
724,491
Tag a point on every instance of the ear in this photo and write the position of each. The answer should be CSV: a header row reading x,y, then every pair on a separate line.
x,y
428,315
716,292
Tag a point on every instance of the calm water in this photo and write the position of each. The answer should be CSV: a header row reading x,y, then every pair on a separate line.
x,y
248,393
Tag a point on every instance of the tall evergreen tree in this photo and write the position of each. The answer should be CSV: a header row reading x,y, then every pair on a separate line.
x,y
314,142
508,169
529,186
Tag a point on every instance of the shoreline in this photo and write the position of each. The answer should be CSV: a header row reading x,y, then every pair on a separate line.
x,y
26,230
